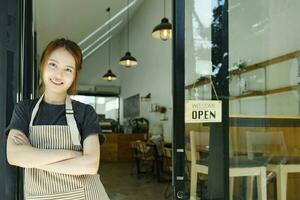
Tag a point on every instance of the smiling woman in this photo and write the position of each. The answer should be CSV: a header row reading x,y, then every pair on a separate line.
x,y
59,71
59,55
55,138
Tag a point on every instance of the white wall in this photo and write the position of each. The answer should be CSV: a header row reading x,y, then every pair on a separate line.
x,y
96,65
153,73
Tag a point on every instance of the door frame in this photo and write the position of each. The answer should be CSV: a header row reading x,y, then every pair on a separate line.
x,y
178,146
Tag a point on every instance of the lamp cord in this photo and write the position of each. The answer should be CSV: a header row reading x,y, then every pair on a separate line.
x,y
164,8
213,87
128,25
109,43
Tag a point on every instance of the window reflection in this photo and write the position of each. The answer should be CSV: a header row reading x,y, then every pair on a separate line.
x,y
264,68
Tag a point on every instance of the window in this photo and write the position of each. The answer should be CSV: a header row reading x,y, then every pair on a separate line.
x,y
105,107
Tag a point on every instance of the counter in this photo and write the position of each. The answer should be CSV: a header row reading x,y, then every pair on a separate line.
x,y
117,146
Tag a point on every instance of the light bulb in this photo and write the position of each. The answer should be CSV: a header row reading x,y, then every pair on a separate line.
x,y
164,34
109,78
128,62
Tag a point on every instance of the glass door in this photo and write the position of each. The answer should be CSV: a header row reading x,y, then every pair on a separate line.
x,y
206,100
264,97
201,118
241,99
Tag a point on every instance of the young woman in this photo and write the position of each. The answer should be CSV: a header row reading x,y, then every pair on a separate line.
x,y
54,138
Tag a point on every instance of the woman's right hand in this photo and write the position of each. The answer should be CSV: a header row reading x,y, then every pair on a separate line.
x,y
20,138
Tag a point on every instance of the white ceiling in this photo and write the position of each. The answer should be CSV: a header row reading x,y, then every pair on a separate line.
x,y
76,19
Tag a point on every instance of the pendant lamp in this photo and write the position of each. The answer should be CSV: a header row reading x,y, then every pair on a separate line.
x,y
128,60
109,76
163,31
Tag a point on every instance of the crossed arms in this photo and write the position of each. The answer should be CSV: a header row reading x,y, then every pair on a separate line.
x,y
21,153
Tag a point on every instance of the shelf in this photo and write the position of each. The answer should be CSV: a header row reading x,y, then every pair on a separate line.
x,y
263,64
166,119
204,80
264,116
267,92
248,94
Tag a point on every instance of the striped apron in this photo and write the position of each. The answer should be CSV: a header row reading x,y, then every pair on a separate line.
x,y
44,185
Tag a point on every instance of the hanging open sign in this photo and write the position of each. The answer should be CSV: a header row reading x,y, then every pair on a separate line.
x,y
198,111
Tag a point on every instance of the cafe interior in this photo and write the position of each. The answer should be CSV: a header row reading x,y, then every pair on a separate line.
x,y
127,78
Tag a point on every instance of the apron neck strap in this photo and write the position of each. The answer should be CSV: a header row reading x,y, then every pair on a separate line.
x,y
35,110
75,135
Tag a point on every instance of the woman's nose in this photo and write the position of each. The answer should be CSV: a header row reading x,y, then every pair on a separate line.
x,y
58,74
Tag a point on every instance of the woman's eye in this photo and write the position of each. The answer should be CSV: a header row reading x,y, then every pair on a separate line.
x,y
69,70
52,64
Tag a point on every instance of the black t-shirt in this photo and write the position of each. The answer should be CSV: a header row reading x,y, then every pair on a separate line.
x,y
50,114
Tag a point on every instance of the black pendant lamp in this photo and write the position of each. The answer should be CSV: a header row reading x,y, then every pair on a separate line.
x,y
128,60
109,76
163,31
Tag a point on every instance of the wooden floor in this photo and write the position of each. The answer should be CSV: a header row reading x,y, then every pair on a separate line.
x,y
122,184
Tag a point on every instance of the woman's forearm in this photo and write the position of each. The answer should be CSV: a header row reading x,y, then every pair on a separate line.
x,y
22,154
85,164
29,157
88,163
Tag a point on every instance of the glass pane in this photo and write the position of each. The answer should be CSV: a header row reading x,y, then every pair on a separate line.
x,y
264,106
264,97
198,69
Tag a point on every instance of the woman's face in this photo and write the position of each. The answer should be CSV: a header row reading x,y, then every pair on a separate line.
x,y
59,71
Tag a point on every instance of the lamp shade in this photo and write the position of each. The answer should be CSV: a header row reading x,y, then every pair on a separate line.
x,y
109,76
163,31
128,60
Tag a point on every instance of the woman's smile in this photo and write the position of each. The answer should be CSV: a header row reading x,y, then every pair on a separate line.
x,y
55,82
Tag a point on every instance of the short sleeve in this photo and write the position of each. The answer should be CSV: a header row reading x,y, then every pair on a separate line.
x,y
91,124
19,119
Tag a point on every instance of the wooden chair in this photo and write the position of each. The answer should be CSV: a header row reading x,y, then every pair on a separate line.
x,y
273,145
134,157
197,139
144,157
167,154
238,167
